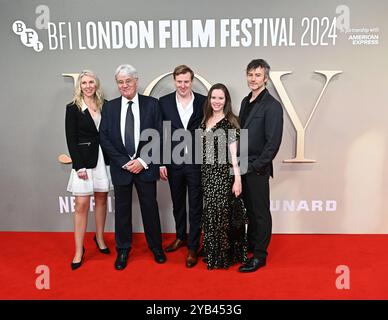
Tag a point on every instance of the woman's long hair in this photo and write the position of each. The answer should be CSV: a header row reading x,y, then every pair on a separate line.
x,y
208,110
78,95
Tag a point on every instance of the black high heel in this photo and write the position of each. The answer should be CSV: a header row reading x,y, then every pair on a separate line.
x,y
105,250
76,265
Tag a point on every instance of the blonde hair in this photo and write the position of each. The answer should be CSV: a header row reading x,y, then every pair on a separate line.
x,y
78,96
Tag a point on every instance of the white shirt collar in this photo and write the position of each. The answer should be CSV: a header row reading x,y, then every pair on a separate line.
x,y
135,99
191,101
84,106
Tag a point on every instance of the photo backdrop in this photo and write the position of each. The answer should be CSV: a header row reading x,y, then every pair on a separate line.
x,y
328,59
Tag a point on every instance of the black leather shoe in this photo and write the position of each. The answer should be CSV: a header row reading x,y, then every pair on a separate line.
x,y
191,259
252,265
121,260
175,245
159,256
105,250
76,265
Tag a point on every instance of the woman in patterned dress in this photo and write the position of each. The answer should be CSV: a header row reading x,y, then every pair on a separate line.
x,y
221,181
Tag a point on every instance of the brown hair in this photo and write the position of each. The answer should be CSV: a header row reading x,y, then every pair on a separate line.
x,y
229,115
182,69
259,63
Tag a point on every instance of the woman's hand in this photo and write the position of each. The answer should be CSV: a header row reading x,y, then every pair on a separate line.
x,y
237,187
82,174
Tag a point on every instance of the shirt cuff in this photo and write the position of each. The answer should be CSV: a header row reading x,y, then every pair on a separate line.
x,y
125,165
142,163
81,170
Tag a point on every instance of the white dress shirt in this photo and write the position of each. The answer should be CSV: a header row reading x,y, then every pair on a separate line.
x,y
185,112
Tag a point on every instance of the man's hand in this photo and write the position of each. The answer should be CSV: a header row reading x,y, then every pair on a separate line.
x,y
134,166
163,173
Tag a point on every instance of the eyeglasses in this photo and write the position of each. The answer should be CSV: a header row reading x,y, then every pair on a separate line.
x,y
126,82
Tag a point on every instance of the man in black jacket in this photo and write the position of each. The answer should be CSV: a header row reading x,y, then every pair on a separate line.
x,y
183,110
262,115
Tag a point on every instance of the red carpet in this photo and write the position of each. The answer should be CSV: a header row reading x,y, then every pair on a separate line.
x,y
298,267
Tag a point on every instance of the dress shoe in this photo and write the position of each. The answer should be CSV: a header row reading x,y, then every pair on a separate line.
x,y
76,265
175,245
121,260
252,265
159,256
191,259
105,250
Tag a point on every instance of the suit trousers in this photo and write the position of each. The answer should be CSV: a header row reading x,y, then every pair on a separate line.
x,y
187,180
256,196
149,211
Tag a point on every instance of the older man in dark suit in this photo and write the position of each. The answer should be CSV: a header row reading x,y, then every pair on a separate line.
x,y
262,115
123,121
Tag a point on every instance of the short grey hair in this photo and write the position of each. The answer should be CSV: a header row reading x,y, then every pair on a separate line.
x,y
126,70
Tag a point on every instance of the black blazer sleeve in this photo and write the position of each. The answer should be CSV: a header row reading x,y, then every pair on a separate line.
x,y
72,133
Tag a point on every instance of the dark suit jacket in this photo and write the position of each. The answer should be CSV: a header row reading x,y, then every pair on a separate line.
x,y
111,141
170,112
82,138
265,129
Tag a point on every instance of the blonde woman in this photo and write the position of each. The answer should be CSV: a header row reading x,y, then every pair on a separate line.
x,y
90,173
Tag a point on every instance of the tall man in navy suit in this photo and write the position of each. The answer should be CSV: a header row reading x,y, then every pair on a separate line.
x,y
262,115
124,119
183,110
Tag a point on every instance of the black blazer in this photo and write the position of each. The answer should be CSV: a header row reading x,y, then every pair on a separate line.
x,y
112,143
265,129
82,138
170,112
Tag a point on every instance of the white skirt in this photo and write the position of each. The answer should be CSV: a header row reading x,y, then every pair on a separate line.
x,y
99,179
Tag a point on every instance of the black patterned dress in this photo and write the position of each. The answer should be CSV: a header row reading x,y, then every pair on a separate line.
x,y
217,180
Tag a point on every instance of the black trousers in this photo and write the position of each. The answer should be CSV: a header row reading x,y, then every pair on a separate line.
x,y
149,211
184,181
256,197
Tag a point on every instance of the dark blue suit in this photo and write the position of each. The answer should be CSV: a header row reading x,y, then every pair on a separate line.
x,y
123,180
184,178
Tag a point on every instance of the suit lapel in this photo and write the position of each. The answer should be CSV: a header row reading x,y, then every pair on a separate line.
x,y
116,114
142,112
174,112
196,110
90,120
